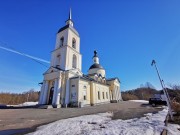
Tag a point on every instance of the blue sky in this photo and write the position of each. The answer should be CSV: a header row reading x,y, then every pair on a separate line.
x,y
127,35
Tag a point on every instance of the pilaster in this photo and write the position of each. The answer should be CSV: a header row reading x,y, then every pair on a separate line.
x,y
45,94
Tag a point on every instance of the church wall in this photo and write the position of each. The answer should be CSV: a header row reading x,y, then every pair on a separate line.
x,y
70,37
74,86
53,75
80,91
58,37
55,60
98,71
69,57
84,92
115,90
97,91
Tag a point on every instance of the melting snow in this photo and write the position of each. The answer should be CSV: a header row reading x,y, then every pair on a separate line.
x,y
102,124
173,129
28,104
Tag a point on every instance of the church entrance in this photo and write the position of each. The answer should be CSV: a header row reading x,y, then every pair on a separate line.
x,y
51,95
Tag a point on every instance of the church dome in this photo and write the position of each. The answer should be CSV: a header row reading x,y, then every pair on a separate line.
x,y
95,65
96,68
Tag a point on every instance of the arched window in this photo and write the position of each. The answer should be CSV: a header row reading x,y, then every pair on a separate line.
x,y
74,61
74,43
61,41
85,93
58,60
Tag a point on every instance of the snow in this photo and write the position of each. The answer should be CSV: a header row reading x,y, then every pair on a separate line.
x,y
102,124
173,129
141,101
28,104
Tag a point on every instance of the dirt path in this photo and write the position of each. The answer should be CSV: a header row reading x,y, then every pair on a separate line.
x,y
26,120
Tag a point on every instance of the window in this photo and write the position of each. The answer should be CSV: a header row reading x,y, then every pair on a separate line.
x,y
98,95
106,95
74,43
84,94
84,97
58,59
103,94
61,41
74,61
73,94
73,85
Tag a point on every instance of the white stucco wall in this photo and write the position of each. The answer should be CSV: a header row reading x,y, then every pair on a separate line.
x,y
84,90
98,71
95,87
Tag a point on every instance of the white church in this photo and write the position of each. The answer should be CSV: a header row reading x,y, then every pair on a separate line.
x,y
65,85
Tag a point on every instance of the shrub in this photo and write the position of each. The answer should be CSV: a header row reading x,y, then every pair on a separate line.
x,y
175,106
127,96
15,98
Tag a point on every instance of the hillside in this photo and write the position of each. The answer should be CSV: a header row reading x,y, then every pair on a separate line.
x,y
18,98
146,93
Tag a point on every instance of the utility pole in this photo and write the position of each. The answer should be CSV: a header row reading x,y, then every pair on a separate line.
x,y
164,90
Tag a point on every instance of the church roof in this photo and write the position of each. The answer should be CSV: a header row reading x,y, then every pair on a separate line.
x,y
85,77
111,79
70,27
95,65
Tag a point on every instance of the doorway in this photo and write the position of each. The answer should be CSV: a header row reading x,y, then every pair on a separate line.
x,y
51,95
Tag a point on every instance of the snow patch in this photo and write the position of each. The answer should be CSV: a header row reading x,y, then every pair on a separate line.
x,y
28,104
173,129
102,124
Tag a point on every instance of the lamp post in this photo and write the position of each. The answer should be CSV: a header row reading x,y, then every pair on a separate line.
x,y
164,90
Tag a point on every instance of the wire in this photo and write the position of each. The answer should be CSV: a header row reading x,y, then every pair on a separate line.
x,y
26,55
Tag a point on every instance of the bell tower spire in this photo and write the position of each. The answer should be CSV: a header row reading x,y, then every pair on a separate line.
x,y
70,16
66,55
69,21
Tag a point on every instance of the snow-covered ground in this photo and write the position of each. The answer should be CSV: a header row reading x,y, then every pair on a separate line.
x,y
28,104
141,101
23,104
173,129
102,124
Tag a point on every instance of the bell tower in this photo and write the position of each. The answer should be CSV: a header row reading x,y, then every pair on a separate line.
x,y
67,55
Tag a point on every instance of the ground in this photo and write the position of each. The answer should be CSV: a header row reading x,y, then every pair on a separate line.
x,y
26,120
102,124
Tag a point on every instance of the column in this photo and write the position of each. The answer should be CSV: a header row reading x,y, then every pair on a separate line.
x,y
67,92
114,94
58,91
117,93
56,95
111,95
45,93
41,93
